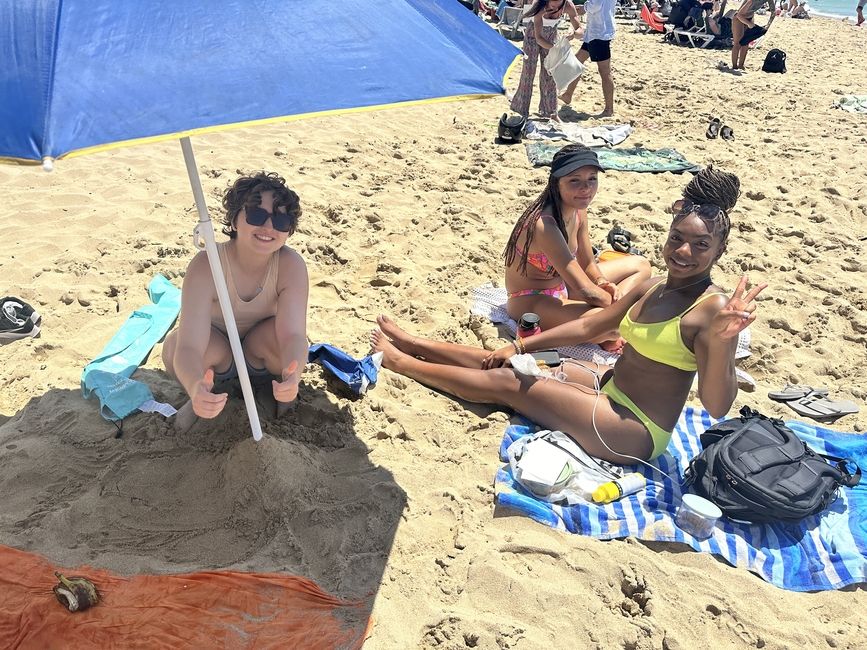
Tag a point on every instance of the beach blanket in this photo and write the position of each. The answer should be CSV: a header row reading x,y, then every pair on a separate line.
x,y
822,552
489,302
852,103
636,159
206,609
596,136
107,376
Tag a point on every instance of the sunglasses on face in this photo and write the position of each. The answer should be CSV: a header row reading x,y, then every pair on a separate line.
x,y
257,216
683,207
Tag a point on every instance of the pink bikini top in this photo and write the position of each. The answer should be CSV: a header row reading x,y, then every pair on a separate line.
x,y
540,260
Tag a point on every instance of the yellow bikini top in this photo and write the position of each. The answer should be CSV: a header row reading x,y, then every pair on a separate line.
x,y
662,341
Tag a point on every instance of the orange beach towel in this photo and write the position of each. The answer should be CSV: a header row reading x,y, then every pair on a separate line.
x,y
208,609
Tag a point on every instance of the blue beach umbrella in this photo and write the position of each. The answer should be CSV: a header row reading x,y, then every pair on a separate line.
x,y
80,76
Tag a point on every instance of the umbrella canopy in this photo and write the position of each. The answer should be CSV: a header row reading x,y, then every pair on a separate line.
x,y
85,75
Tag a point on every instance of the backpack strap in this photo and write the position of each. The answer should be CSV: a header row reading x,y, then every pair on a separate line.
x,y
842,464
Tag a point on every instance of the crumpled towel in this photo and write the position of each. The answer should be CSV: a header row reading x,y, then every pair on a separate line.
x,y
852,103
357,374
596,136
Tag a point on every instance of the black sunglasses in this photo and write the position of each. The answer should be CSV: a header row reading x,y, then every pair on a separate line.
x,y
257,216
683,207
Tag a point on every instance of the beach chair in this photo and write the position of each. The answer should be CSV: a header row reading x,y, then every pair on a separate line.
x,y
511,25
648,23
697,37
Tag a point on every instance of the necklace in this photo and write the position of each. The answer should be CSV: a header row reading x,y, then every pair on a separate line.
x,y
260,286
663,290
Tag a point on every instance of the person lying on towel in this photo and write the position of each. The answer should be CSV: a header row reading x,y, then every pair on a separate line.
x,y
675,327
550,267
267,283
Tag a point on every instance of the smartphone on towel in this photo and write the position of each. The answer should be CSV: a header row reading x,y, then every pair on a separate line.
x,y
547,358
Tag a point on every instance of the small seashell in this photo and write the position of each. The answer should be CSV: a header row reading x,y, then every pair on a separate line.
x,y
75,593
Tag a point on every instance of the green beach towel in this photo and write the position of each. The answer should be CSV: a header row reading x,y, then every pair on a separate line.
x,y
107,376
634,159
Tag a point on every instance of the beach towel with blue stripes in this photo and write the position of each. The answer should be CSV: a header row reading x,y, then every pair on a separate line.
x,y
822,552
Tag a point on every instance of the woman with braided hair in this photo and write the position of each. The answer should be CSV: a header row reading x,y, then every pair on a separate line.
x,y
674,327
550,268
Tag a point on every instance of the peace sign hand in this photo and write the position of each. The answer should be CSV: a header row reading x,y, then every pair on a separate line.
x,y
738,313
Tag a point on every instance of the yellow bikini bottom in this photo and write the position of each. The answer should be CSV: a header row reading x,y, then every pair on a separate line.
x,y
660,436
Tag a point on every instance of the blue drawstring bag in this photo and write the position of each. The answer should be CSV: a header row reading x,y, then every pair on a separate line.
x,y
358,374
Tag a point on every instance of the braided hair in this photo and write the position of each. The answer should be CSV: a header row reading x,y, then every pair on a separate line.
x,y
719,188
549,199
247,191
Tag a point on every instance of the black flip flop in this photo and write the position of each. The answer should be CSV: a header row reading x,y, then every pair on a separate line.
x,y
819,407
619,239
18,320
726,133
713,128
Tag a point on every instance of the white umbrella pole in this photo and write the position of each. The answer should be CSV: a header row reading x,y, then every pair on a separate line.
x,y
206,231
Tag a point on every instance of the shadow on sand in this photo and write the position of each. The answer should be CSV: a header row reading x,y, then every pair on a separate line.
x,y
305,500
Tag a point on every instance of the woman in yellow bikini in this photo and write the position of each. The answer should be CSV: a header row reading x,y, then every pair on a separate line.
x,y
674,328
550,268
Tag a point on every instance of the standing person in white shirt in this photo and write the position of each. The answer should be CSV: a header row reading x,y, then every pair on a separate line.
x,y
598,35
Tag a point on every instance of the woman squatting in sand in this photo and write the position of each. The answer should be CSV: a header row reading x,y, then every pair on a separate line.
x,y
267,283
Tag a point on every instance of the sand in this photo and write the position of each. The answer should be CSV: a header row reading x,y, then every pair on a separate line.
x,y
390,496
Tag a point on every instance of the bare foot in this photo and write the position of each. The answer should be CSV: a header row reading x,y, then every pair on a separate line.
x,y
379,342
607,113
565,99
615,346
402,341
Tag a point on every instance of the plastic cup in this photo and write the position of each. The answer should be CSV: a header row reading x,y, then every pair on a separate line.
x,y
697,516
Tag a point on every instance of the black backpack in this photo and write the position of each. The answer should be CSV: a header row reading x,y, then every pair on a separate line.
x,y
756,469
775,61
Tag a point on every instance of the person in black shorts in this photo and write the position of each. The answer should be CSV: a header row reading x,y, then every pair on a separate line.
x,y
598,50
597,47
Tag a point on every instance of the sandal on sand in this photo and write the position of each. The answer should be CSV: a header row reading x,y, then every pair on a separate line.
x,y
820,408
620,240
795,391
18,320
713,128
726,133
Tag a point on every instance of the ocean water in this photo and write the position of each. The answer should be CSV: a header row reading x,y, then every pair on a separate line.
x,y
833,8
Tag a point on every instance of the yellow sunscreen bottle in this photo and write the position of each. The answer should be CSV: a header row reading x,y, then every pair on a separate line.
x,y
613,490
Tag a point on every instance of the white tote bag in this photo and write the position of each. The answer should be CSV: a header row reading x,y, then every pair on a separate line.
x,y
562,64
554,468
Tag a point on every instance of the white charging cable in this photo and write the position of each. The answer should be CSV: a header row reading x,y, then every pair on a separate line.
x,y
597,388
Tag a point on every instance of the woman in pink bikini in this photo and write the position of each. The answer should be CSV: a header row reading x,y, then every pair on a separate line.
x,y
267,283
550,267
